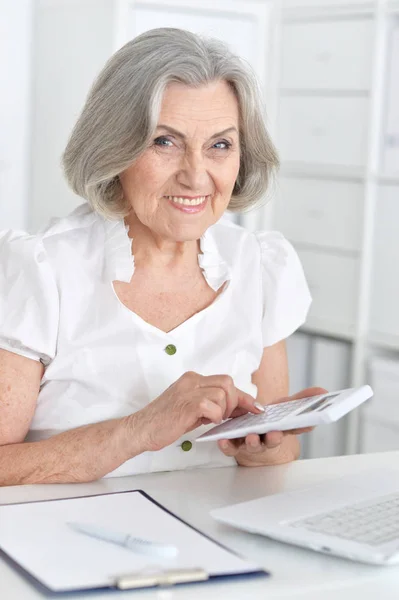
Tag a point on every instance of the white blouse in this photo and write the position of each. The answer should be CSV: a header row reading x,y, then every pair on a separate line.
x,y
102,361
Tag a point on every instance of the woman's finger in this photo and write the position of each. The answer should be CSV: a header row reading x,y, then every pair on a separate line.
x,y
228,447
253,444
272,439
213,406
238,412
248,402
236,399
210,409
225,383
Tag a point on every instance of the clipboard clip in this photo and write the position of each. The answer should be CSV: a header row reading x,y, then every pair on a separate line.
x,y
160,578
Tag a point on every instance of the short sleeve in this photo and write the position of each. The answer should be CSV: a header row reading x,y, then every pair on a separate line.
x,y
286,296
29,301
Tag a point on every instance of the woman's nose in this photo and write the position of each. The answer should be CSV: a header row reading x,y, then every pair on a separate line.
x,y
193,173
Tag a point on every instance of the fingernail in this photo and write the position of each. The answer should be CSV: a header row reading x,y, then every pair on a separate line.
x,y
259,406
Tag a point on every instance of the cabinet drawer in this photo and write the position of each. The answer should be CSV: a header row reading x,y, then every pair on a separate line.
x,y
376,437
333,283
384,317
325,131
316,4
383,407
328,55
320,212
298,354
330,368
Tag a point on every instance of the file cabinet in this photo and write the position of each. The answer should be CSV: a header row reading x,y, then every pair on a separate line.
x,y
338,199
322,127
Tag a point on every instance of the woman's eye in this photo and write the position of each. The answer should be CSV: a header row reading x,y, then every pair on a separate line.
x,y
223,145
163,142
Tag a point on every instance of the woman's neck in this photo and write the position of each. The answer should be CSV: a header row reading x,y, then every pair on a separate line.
x,y
152,250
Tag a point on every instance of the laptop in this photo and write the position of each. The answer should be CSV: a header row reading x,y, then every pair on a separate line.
x,y
355,517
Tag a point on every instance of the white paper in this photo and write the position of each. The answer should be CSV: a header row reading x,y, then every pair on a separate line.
x,y
37,537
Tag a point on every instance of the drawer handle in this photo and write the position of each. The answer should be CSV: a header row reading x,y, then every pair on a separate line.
x,y
315,213
318,131
323,57
392,140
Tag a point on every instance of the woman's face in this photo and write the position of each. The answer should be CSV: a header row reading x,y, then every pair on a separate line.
x,y
182,183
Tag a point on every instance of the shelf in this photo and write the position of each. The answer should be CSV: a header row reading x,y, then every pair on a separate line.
x,y
388,179
376,419
312,171
384,340
307,330
324,249
308,170
305,10
328,329
324,93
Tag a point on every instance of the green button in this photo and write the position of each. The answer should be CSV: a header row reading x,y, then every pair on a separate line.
x,y
186,445
170,349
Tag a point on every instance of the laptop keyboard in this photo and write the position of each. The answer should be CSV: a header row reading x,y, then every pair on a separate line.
x,y
372,523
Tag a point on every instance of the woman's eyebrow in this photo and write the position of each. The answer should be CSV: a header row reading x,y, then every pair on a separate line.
x,y
183,137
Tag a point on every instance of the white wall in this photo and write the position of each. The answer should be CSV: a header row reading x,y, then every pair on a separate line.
x,y
64,69
16,48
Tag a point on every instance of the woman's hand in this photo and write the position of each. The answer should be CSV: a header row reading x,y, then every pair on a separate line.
x,y
273,448
191,401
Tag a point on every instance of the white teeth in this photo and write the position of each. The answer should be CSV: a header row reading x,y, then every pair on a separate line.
x,y
187,201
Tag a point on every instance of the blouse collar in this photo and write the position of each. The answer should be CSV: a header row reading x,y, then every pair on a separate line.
x,y
119,261
215,268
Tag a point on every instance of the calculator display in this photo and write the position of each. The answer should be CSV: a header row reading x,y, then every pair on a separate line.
x,y
320,404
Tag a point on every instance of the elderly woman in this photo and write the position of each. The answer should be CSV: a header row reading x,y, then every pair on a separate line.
x,y
144,317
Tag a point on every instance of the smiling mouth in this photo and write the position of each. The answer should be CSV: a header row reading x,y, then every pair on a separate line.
x,y
186,201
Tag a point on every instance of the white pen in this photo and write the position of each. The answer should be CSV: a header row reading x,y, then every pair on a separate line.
x,y
139,545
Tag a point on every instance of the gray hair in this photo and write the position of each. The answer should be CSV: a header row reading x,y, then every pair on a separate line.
x,y
122,109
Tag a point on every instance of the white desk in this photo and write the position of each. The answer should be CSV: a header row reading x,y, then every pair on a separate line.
x,y
296,573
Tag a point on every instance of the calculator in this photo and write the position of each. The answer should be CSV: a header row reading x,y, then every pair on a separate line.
x,y
304,412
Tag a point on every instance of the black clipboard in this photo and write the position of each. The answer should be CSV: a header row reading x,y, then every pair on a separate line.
x,y
149,578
